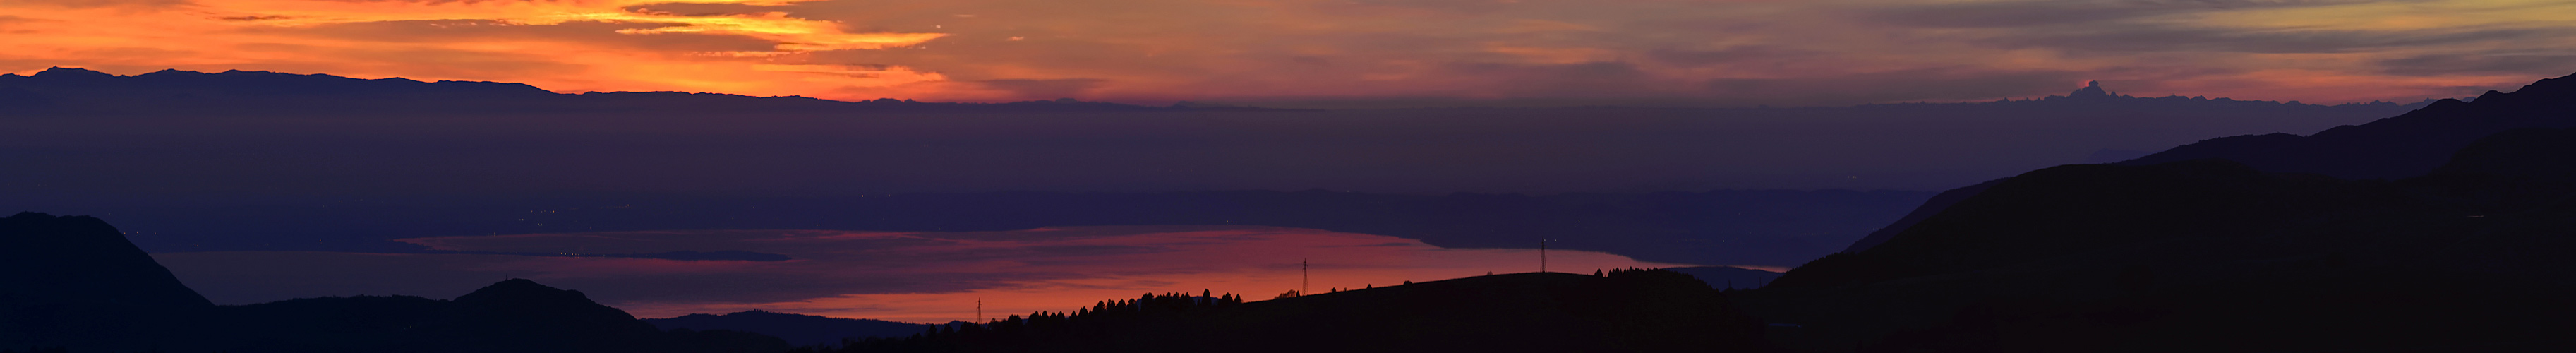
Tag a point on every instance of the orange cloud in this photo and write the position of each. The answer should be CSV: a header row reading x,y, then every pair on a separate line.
x,y
1617,51
311,36
792,33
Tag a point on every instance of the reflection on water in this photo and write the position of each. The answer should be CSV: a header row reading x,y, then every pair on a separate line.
x,y
903,276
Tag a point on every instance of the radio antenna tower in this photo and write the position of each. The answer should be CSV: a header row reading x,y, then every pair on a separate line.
x,y
979,310
1304,280
1542,253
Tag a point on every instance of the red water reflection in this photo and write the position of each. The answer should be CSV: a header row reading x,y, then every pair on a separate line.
x,y
916,277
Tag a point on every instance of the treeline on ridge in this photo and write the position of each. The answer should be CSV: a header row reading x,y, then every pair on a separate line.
x,y
1628,310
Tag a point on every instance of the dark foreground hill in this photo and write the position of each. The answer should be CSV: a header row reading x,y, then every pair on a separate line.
x,y
511,316
2403,146
1723,277
1621,311
75,280
2213,255
801,330
75,283
2250,243
2398,147
118,300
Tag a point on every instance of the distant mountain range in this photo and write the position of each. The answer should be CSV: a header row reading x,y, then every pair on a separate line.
x,y
79,91
75,90
2237,244
214,161
278,135
2348,243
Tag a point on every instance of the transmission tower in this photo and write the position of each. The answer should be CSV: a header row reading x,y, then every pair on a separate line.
x,y
1542,254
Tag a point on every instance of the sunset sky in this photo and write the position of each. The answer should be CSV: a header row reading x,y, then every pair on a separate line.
x,y
1345,52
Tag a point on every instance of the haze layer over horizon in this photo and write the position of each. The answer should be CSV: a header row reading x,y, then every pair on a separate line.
x,y
1377,53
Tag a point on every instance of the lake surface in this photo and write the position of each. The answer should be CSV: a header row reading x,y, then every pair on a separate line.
x,y
901,276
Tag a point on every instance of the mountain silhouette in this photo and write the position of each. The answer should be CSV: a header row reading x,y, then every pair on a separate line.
x,y
2516,157
2091,90
219,156
2206,253
2237,234
515,315
79,259
1939,202
1625,310
2407,145
81,91
522,315
75,283
799,330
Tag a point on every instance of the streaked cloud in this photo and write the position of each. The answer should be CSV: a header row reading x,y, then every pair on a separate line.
x,y
2499,63
1677,52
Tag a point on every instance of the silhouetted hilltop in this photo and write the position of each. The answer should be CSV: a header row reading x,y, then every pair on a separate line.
x,y
71,90
2040,214
76,281
2213,253
2403,146
800,330
1624,311
2091,90
74,259
509,316
1941,201
1620,311
2398,147
525,316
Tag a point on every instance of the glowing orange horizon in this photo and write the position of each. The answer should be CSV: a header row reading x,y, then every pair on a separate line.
x,y
1708,51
